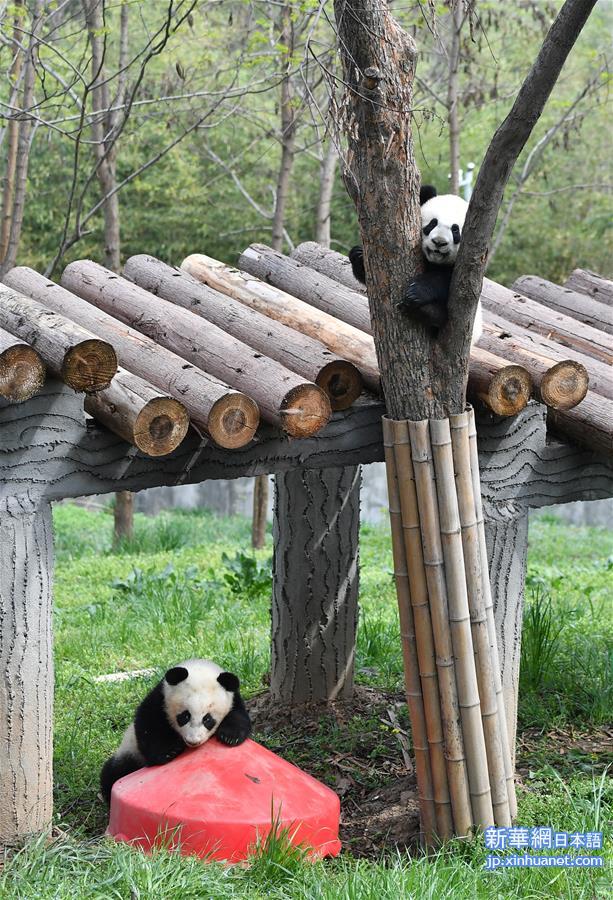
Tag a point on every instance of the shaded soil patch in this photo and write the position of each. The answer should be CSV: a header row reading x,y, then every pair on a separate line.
x,y
565,749
359,748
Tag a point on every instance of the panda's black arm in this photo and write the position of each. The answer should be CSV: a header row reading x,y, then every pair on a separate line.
x,y
157,741
236,727
427,294
356,258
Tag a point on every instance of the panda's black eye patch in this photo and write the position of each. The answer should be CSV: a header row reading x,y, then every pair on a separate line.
x,y
455,230
430,226
183,718
209,722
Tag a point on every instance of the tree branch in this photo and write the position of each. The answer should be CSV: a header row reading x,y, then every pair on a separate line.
x,y
501,155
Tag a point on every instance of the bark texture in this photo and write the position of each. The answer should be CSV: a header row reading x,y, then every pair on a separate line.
x,y
564,300
315,587
26,669
381,176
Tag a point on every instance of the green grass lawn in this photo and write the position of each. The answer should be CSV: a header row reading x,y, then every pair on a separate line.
x,y
187,585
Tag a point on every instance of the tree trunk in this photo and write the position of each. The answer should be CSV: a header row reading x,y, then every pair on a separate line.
x,y
315,584
288,127
453,84
26,125
8,186
26,667
123,516
327,172
260,511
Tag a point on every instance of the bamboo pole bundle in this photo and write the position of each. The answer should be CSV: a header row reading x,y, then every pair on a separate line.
x,y
79,358
133,409
478,619
439,614
413,684
459,617
22,371
505,731
285,399
338,377
228,416
424,641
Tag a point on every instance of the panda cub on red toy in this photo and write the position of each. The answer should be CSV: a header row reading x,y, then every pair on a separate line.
x,y
194,701
442,221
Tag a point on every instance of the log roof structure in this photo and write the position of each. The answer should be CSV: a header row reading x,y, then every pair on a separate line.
x,y
172,375
283,341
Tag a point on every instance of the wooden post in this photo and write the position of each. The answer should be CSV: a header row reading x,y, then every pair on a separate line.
x,y
507,544
315,584
26,669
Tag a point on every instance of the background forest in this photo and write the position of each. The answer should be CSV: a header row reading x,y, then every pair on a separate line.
x,y
213,124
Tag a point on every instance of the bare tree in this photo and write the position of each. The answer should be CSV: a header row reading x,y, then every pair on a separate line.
x,y
26,41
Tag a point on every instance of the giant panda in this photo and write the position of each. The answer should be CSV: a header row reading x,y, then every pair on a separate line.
x,y
442,221
194,701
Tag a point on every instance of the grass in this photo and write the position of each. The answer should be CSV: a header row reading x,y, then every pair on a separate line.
x,y
186,585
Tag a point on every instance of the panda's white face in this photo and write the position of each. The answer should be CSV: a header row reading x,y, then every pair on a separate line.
x,y
197,704
442,221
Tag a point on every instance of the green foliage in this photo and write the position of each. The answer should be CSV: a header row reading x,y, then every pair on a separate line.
x,y
247,576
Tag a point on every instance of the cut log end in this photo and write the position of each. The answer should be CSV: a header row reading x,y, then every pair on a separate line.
x,y
89,366
22,373
509,391
342,383
564,385
305,410
233,420
160,426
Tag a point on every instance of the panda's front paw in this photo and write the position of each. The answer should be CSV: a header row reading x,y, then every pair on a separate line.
x,y
356,258
420,301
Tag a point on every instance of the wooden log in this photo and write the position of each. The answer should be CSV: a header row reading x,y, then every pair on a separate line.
x,y
512,342
419,637
328,262
459,617
588,425
83,361
345,340
565,300
22,371
595,286
413,684
439,613
339,378
229,417
137,412
285,399
538,318
305,283
504,388
561,384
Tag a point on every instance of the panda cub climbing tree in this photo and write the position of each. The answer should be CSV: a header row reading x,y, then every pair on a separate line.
x,y
426,296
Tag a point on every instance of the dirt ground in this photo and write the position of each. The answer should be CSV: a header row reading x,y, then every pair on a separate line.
x,y
362,750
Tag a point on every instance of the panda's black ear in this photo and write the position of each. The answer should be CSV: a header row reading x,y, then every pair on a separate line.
x,y
426,192
176,675
229,681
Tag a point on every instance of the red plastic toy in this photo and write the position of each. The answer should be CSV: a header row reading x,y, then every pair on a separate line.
x,y
217,801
